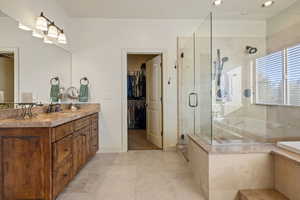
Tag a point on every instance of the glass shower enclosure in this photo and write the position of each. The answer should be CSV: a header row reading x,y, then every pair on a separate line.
x,y
195,83
226,69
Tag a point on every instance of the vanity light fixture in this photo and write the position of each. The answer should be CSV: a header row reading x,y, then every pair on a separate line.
x,y
23,27
62,38
52,31
41,23
267,4
49,29
47,40
37,34
217,2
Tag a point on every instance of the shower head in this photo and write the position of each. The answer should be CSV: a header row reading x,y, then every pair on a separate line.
x,y
225,59
251,50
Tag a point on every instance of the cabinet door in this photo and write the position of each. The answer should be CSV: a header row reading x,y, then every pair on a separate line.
x,y
25,167
94,144
77,151
86,132
88,144
62,176
84,155
94,139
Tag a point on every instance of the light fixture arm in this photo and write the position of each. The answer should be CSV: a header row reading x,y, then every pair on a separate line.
x,y
51,22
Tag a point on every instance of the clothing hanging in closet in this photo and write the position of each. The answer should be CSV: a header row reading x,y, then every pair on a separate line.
x,y
136,89
136,114
136,85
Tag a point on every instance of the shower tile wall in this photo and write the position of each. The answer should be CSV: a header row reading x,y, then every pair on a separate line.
x,y
237,119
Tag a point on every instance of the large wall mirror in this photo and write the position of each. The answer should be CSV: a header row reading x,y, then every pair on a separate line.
x,y
27,65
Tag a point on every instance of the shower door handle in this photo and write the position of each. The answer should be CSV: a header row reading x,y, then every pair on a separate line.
x,y
196,100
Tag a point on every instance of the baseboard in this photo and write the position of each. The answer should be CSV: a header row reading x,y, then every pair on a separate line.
x,y
170,148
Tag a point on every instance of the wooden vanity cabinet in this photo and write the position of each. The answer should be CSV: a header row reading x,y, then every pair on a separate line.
x,y
38,163
25,164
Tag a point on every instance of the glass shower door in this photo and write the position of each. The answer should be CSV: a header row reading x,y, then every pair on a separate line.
x,y
195,101
186,86
203,80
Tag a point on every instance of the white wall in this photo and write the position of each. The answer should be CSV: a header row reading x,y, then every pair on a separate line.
x,y
97,54
283,29
284,20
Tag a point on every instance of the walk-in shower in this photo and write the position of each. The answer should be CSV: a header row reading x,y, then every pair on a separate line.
x,y
229,72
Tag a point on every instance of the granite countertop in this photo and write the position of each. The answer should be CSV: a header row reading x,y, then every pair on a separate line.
x,y
245,149
233,148
287,154
50,119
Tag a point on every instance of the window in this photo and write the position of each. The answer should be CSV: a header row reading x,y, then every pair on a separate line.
x,y
269,79
278,78
293,75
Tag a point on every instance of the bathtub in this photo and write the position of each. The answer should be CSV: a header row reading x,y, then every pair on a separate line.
x,y
291,146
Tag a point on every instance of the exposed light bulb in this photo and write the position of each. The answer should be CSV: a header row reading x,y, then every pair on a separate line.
x,y
268,4
52,31
37,34
23,27
41,23
217,2
47,40
62,38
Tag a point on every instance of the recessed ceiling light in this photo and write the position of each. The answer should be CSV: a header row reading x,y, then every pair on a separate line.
x,y
268,4
217,2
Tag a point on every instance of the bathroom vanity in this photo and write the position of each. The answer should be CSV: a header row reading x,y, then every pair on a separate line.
x,y
40,156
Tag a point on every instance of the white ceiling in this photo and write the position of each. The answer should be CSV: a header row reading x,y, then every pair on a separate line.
x,y
171,9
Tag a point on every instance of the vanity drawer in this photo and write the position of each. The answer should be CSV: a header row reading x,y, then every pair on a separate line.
x,y
62,149
81,123
62,131
62,176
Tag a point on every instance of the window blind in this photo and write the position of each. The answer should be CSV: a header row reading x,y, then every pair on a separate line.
x,y
269,79
293,75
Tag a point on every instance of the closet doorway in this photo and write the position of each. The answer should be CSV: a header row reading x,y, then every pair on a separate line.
x,y
144,101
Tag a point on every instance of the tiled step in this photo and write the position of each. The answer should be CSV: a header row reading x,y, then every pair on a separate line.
x,y
261,195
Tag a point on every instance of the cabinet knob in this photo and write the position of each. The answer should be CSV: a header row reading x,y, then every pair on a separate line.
x,y
65,175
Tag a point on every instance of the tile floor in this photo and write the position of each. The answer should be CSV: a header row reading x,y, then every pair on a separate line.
x,y
136,175
137,140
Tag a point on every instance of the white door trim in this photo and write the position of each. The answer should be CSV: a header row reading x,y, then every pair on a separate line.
x,y
124,127
15,51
